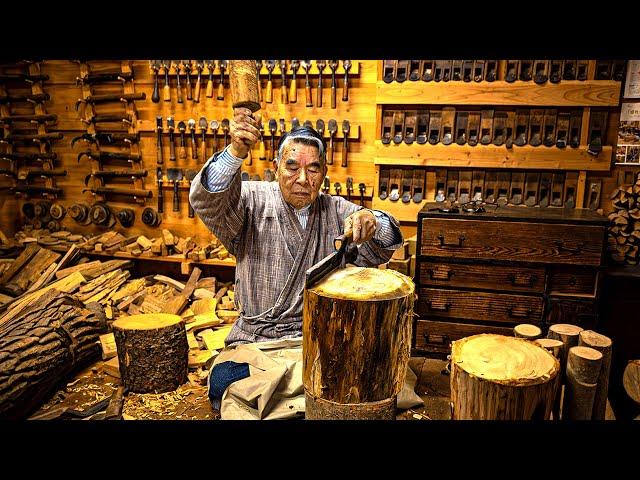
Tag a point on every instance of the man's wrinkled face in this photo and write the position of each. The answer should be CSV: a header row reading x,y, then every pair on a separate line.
x,y
300,174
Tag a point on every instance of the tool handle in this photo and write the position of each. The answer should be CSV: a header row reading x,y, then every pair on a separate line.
x,y
182,151
194,147
330,158
307,94
189,89
319,90
262,155
269,97
172,148
220,91
345,87
191,211
343,239
159,149
203,148
283,93
196,97
155,97
176,197
345,146
166,91
209,91
293,91
333,94
160,196
259,88
178,87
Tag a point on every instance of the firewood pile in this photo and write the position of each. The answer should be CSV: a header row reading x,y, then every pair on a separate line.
x,y
624,229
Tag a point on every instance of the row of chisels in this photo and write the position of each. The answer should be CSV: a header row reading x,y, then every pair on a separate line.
x,y
196,129
549,127
542,189
538,71
196,73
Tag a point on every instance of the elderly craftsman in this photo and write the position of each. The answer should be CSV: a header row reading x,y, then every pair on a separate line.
x,y
278,230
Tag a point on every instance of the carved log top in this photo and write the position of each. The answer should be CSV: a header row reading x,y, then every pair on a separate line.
x,y
147,321
595,339
505,360
565,329
365,284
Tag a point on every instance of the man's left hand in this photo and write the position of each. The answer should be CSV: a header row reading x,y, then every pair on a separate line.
x,y
363,224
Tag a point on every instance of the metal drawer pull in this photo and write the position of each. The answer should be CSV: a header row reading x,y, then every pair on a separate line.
x,y
519,313
528,283
440,307
440,274
442,244
440,339
561,248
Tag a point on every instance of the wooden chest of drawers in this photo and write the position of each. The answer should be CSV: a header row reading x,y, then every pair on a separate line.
x,y
487,272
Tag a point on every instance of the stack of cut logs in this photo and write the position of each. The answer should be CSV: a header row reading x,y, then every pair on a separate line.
x,y
624,231
168,245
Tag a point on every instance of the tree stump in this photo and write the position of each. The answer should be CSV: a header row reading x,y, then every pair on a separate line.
x,y
583,369
356,343
528,331
551,345
152,352
495,377
631,380
569,335
589,338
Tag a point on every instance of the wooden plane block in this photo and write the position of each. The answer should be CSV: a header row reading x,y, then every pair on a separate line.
x,y
452,185
491,186
477,186
395,184
517,188
486,126
418,185
562,129
570,189
461,131
549,127
502,187
540,71
435,125
536,119
473,128
464,185
557,189
405,189
448,123
521,132
546,180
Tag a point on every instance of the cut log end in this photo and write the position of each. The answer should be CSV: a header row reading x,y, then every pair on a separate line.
x,y
365,284
147,321
631,380
594,339
565,329
551,345
505,360
528,331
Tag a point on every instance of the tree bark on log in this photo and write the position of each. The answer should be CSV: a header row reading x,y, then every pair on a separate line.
x,y
356,343
495,377
152,352
40,345
528,331
583,368
603,344
569,335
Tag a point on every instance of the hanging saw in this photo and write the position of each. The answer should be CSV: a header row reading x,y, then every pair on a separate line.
x,y
130,157
103,138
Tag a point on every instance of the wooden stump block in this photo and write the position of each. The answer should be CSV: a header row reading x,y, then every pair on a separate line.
x,y
356,343
601,343
152,352
569,336
631,380
551,345
528,331
495,377
583,369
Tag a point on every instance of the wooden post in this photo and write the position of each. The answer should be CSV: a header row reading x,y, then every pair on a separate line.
x,y
551,345
631,380
568,335
601,343
356,343
527,331
583,369
495,377
152,352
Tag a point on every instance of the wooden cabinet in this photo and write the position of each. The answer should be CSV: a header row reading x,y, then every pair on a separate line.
x,y
487,272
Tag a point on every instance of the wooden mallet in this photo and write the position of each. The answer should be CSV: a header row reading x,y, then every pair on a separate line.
x,y
243,78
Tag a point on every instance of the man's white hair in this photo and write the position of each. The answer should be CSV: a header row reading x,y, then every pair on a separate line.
x,y
292,137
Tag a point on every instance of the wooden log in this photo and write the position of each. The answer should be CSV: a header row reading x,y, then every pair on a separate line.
x,y
603,344
583,369
152,352
569,335
19,262
495,377
551,345
77,268
356,343
631,380
41,345
528,331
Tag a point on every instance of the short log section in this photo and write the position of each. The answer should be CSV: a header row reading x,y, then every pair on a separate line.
x,y
152,352
356,343
495,377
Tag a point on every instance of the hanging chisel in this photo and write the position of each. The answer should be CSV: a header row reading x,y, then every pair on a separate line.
x,y
214,125
222,64
345,131
320,64
191,123
203,124
283,74
175,175
159,133
293,92
186,65
333,128
349,188
172,144
199,67
166,90
182,151
320,127
155,97
211,65
225,130
346,64
178,87
306,64
273,126
160,195
295,123
362,187
270,66
262,155
333,65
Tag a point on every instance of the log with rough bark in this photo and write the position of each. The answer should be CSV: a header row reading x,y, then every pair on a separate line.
x,y
356,343
495,377
152,352
569,336
589,338
40,345
583,369
528,331
631,380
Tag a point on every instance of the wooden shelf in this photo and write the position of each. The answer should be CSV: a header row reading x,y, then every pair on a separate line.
x,y
354,70
126,255
403,212
491,156
568,93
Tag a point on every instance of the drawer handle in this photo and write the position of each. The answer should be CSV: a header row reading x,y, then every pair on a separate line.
x,y
440,274
439,339
442,244
438,307
515,282
561,248
519,313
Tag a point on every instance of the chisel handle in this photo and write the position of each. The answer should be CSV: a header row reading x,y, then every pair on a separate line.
x,y
176,197
196,97
345,87
209,90
262,153
319,91
333,93
172,148
159,149
155,97
178,88
284,98
293,91
345,146
307,94
220,91
269,97
182,151
330,157
160,196
166,91
189,89
203,148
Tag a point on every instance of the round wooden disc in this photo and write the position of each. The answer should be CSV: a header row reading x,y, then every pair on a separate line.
x,y
587,353
548,343
365,284
505,360
147,321
594,339
631,380
527,330
565,329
